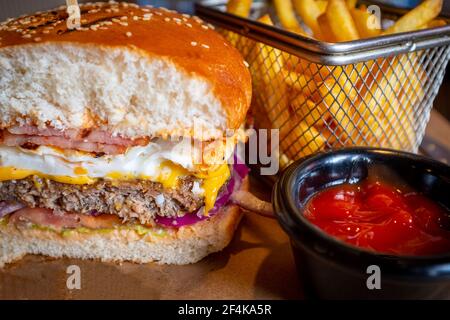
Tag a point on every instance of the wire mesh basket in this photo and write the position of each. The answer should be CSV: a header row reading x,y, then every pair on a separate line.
x,y
374,92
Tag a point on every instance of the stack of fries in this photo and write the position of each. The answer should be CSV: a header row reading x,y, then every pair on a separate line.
x,y
317,107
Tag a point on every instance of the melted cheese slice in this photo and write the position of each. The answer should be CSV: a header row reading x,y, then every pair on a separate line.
x,y
170,173
11,173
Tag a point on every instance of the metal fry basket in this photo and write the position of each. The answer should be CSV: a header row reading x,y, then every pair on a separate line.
x,y
374,92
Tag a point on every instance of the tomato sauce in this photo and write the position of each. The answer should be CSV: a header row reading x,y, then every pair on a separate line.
x,y
377,216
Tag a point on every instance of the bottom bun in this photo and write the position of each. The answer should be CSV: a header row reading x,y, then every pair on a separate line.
x,y
184,245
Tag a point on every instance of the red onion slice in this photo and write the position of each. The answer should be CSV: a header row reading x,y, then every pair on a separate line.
x,y
240,171
9,207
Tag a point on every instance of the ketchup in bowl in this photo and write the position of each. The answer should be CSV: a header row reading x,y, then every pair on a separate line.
x,y
377,216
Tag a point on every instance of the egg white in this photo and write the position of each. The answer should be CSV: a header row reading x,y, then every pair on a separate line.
x,y
137,161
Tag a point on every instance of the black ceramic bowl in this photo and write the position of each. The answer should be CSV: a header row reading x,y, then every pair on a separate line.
x,y
332,269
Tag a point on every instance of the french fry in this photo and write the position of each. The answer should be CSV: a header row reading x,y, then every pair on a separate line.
x,y
331,133
434,24
300,82
322,5
268,82
368,25
325,27
309,139
239,7
388,102
286,14
308,111
381,123
351,3
335,99
411,93
309,70
309,11
299,139
341,21
270,57
417,17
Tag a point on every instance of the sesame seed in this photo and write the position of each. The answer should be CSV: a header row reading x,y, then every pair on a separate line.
x,y
146,18
189,25
158,13
145,10
205,46
128,34
46,31
115,20
193,43
135,18
177,19
124,18
186,15
125,24
167,19
211,26
246,64
205,27
26,36
37,39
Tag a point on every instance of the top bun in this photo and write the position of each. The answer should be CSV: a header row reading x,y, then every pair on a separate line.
x,y
130,70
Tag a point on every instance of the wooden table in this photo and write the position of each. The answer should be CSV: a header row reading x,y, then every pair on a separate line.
x,y
258,264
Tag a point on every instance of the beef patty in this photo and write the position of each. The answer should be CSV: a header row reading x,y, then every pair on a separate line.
x,y
140,199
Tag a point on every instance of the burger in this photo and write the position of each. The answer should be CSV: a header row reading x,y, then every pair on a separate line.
x,y
117,136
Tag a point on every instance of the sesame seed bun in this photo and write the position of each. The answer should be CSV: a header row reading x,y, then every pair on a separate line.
x,y
129,70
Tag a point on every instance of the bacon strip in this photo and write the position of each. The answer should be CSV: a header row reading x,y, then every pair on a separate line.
x,y
14,140
48,218
90,141
96,136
